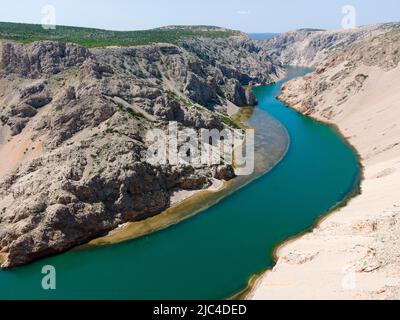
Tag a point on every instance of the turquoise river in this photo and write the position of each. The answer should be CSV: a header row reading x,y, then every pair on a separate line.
x,y
213,254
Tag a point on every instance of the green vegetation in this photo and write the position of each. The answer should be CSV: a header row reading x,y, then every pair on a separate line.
x,y
229,122
186,103
131,112
103,148
90,37
173,96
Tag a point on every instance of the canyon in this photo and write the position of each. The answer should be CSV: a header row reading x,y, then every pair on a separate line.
x,y
73,122
354,252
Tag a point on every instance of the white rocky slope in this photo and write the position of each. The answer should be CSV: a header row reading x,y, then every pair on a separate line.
x,y
355,252
308,47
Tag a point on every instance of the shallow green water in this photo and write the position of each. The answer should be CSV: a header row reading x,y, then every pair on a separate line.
x,y
213,254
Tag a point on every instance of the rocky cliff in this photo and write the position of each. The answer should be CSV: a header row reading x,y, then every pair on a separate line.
x,y
308,47
354,253
72,129
343,73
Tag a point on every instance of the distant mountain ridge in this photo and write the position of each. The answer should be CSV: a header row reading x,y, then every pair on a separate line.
x,y
91,37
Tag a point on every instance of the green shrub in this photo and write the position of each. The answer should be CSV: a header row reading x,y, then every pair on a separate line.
x,y
229,122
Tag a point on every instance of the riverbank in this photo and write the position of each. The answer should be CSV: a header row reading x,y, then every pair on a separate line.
x,y
186,204
235,242
182,202
354,252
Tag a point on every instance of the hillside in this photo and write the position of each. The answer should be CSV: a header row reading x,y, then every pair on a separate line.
x,y
90,38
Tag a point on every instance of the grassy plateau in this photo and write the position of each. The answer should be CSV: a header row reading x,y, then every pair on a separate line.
x,y
91,38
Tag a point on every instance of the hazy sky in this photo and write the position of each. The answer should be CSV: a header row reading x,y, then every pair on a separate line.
x,y
249,15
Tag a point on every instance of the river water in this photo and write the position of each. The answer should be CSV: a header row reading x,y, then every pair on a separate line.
x,y
213,254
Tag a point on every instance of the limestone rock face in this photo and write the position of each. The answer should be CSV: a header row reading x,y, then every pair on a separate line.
x,y
309,47
344,73
75,121
44,57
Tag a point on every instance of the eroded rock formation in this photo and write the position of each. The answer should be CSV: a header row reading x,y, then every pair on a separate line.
x,y
72,132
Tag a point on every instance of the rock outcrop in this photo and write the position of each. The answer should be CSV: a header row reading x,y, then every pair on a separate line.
x,y
309,47
73,125
343,74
